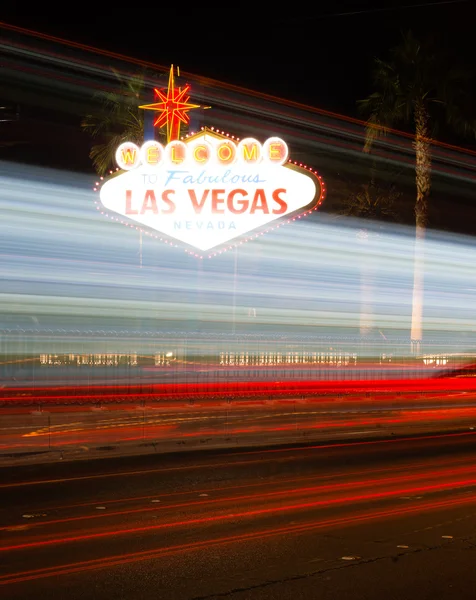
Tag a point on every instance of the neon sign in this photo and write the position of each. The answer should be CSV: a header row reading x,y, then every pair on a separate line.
x,y
173,107
207,190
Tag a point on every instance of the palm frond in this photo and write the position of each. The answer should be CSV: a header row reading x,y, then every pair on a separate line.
x,y
103,155
117,119
383,107
417,74
374,201
382,112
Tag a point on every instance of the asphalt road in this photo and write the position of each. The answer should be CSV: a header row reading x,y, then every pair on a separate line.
x,y
392,518
172,425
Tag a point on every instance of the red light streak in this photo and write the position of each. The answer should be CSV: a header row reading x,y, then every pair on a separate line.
x,y
270,451
214,83
364,443
263,495
214,389
395,469
117,560
305,422
245,514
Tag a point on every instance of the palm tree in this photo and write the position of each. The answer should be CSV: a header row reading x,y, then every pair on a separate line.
x,y
372,200
118,119
419,87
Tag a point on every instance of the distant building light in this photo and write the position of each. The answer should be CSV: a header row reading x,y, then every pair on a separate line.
x,y
9,113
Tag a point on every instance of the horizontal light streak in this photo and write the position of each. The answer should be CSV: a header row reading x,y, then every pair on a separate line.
x,y
111,561
59,257
221,94
257,512
265,496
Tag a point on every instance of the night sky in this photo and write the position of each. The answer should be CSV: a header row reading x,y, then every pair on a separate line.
x,y
320,55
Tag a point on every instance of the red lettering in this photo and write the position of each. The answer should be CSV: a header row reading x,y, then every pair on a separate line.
x,y
129,209
259,203
241,205
150,203
170,203
283,205
198,205
217,198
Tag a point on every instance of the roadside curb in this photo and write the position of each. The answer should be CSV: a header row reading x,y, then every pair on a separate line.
x,y
114,451
125,449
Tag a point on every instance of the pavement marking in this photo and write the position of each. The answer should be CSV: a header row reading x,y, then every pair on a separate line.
x,y
447,537
402,546
349,557
155,500
100,507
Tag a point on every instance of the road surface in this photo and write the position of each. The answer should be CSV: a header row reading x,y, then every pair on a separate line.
x,y
391,518
59,431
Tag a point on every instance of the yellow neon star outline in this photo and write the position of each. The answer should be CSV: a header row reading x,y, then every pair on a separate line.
x,y
173,108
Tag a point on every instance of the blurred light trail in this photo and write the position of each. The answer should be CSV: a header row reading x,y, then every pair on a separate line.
x,y
323,500
300,124
112,561
202,81
265,455
63,262
403,487
398,467
308,424
258,512
262,494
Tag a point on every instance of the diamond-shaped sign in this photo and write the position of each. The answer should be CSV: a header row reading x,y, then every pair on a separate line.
x,y
208,190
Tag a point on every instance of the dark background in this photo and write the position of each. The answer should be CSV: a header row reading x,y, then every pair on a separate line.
x,y
319,54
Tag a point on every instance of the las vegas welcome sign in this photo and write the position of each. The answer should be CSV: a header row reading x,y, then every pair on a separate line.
x,y
209,189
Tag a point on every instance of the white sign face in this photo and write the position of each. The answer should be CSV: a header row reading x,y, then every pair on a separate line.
x,y
207,190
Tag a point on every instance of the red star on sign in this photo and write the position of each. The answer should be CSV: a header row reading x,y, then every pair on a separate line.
x,y
173,108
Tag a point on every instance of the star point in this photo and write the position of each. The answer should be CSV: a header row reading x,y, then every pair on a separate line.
x,y
173,107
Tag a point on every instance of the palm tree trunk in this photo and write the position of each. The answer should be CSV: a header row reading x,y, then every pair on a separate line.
x,y
422,147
